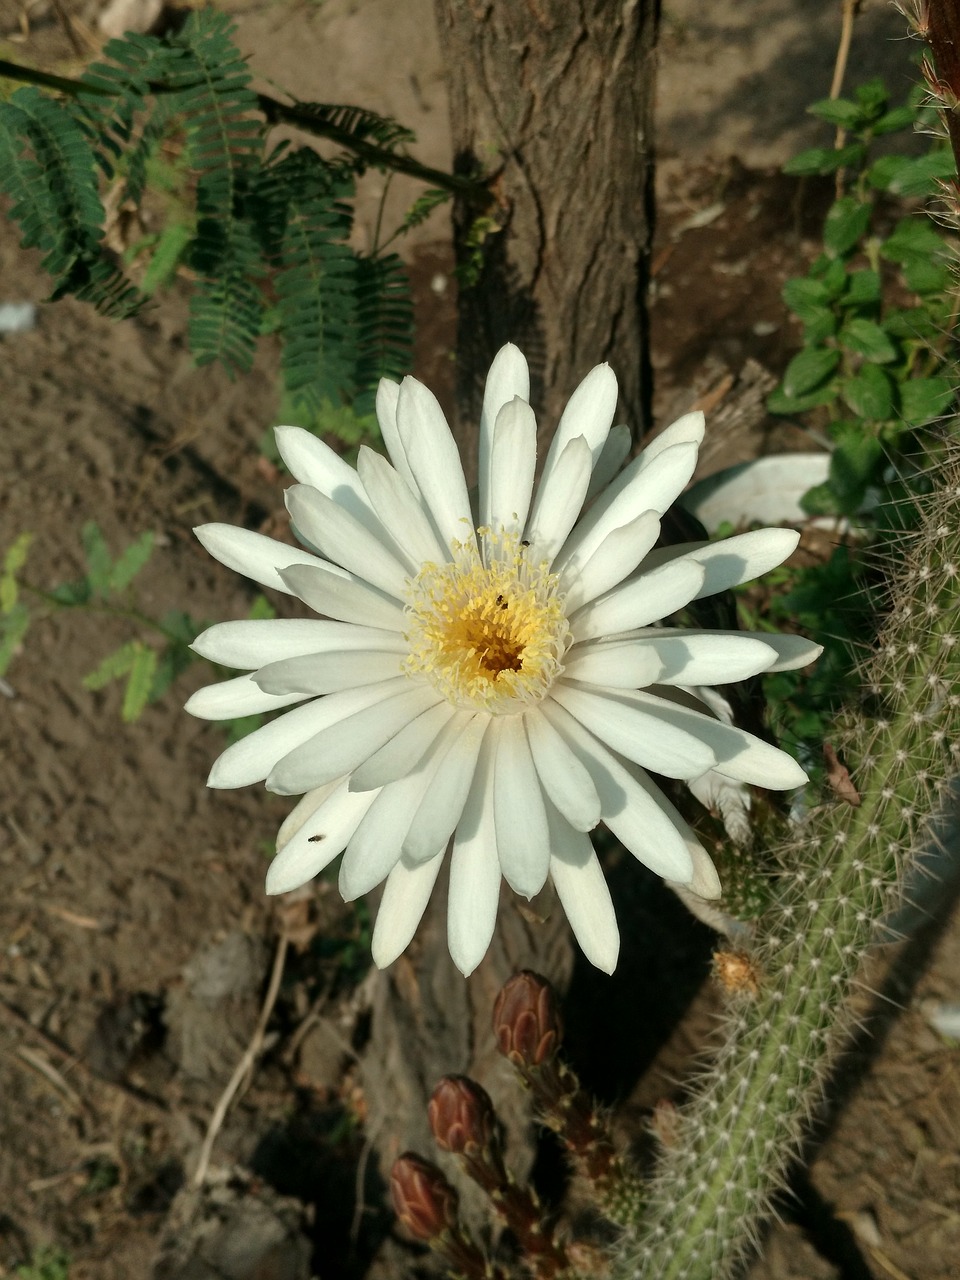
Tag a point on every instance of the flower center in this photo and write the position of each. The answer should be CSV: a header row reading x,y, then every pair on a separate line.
x,y
488,631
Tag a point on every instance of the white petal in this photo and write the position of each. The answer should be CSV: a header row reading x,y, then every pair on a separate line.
x,y
588,413
314,463
474,871
405,897
250,643
252,758
399,511
647,484
508,379
639,729
434,822
559,500
640,601
374,847
435,462
562,776
629,664
304,809
578,878
523,841
237,697
388,394
345,541
634,817
734,560
683,658
792,651
319,839
346,743
620,553
737,754
253,554
344,598
512,465
403,752
686,430
705,882
316,673
613,455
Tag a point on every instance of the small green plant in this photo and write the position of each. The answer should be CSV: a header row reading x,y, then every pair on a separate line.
x,y
47,1263
873,376
147,669
877,309
168,129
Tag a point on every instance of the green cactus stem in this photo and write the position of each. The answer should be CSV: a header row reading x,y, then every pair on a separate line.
x,y
842,874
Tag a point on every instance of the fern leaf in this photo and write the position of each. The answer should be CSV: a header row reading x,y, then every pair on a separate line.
x,y
384,325
48,167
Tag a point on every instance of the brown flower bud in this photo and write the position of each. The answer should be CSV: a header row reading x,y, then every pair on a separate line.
x,y
526,1021
461,1116
423,1199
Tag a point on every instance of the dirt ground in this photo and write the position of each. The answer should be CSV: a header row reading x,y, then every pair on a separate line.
x,y
135,939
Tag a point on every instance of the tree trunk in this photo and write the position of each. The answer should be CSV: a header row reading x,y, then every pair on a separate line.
x,y
555,98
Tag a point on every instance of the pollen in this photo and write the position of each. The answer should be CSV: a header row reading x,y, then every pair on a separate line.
x,y
488,628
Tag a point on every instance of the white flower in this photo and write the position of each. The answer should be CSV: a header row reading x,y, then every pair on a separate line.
x,y
498,675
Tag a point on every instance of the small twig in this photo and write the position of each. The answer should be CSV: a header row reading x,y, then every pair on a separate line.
x,y
50,1073
849,9
245,1065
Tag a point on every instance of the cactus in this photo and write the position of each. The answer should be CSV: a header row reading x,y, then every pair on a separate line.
x,y
841,875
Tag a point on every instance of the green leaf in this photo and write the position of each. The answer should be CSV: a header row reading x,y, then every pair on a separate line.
x,y
262,608
847,220
820,500
808,370
825,160
924,276
13,625
112,667
130,562
853,465
863,289
97,556
832,274
819,327
13,562
72,593
872,96
805,297
841,112
912,176
894,120
913,237
779,402
923,399
912,323
139,682
869,394
169,250
868,340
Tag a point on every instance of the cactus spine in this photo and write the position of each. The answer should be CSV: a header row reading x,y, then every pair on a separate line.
x,y
841,875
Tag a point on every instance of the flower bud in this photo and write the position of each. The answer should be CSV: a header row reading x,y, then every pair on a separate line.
x,y
461,1116
423,1199
526,1021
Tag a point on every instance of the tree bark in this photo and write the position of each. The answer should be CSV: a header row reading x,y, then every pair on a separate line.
x,y
554,98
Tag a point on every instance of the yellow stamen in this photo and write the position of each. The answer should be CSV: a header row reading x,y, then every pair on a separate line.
x,y
489,633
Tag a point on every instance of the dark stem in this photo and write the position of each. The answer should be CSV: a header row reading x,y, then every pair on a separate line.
x,y
473,191
943,34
